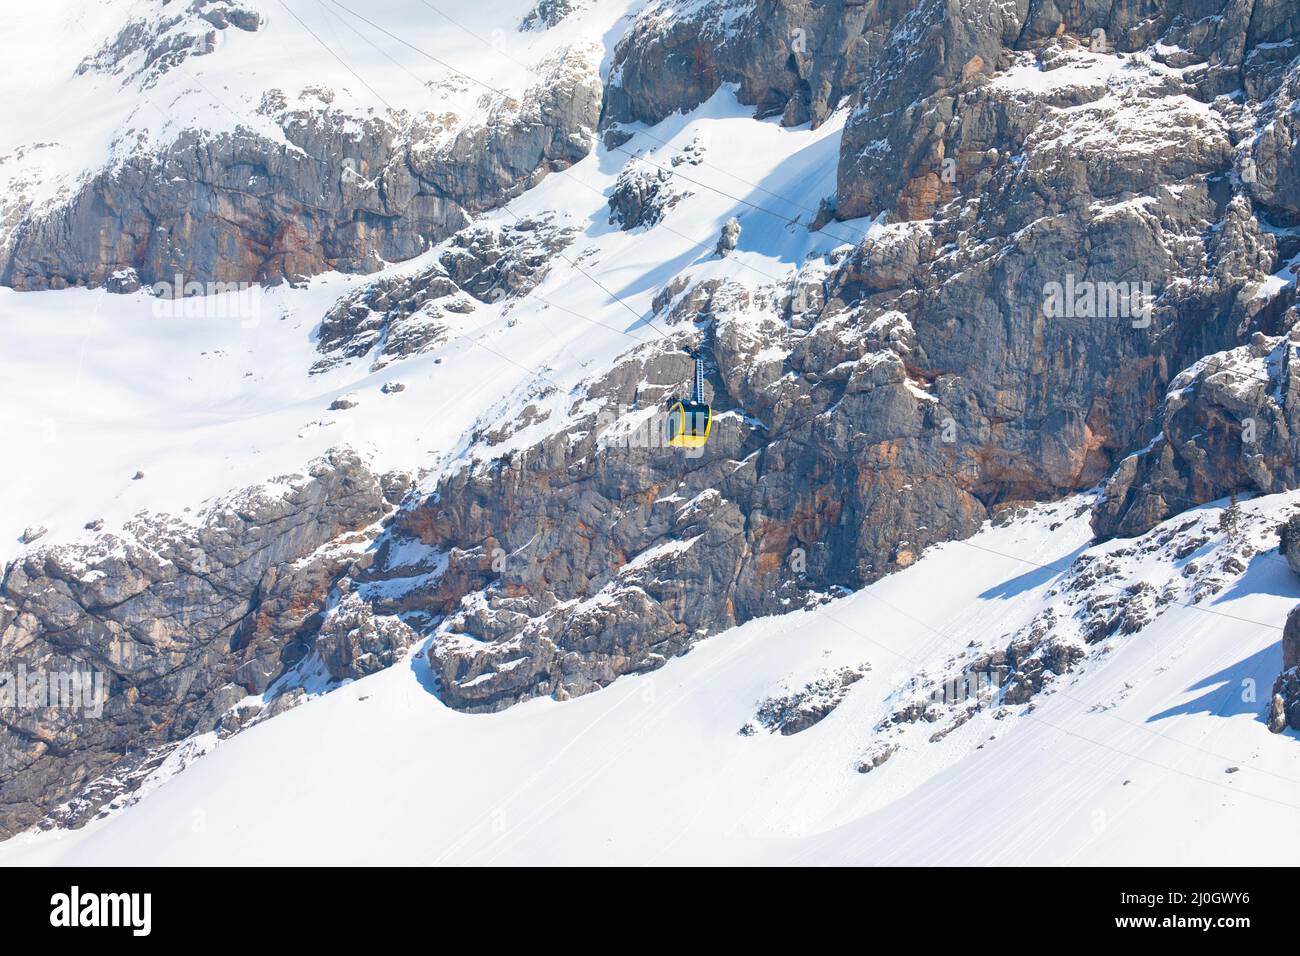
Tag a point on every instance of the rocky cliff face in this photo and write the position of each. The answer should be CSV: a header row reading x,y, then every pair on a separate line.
x,y
1102,599
1284,707
1011,337
1088,227
147,47
925,108
1227,425
790,58
182,620
335,192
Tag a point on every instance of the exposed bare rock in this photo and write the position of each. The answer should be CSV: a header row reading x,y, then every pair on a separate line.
x,y
925,105
232,207
1035,657
771,516
1100,602
171,615
123,282
642,195
1230,423
792,58
729,237
354,642
893,148
1285,702
1272,170
1277,713
551,128
399,317
796,711
1092,607
509,261
547,14
392,318
1289,542
895,393
1067,208
339,192
1214,49
877,757
1291,643
147,47
120,786
395,485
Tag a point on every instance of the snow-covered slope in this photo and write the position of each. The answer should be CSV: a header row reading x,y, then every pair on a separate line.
x,y
208,394
474,243
1152,750
88,85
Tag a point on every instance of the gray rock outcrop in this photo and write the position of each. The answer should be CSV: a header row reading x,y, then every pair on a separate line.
x,y
642,196
1229,424
1284,705
790,58
729,237
898,393
338,193
923,119
547,14
180,620
796,711
1289,542
396,318
145,48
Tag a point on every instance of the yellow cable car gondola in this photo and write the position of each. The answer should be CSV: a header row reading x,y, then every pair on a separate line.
x,y
689,421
